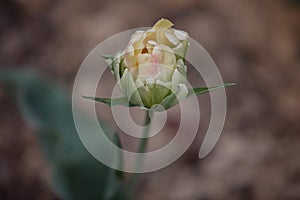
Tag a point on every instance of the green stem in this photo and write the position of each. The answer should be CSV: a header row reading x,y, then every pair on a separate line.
x,y
143,143
141,149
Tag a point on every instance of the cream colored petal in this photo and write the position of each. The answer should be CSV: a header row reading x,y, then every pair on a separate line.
x,y
181,49
177,79
161,38
130,50
164,55
148,71
130,60
149,35
138,47
165,73
136,36
171,37
181,35
152,42
163,23
144,58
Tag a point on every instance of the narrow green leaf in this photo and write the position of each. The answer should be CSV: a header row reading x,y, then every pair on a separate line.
x,y
106,56
202,90
121,101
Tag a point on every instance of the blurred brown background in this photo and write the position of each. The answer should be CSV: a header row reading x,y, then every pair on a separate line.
x,y
254,43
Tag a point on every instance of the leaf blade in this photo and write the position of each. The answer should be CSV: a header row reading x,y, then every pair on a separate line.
x,y
121,101
201,90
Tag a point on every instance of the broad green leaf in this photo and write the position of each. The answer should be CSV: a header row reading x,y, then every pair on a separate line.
x,y
117,141
116,185
76,174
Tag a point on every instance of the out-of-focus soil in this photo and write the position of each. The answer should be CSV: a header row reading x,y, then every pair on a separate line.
x,y
254,43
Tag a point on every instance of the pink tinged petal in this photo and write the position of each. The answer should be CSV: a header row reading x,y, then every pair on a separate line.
x,y
156,58
146,67
147,71
157,55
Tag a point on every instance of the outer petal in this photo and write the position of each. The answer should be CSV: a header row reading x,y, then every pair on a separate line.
x,y
182,68
149,35
181,93
136,36
163,23
116,65
181,49
174,98
171,37
180,35
153,93
177,79
129,89
165,73
130,59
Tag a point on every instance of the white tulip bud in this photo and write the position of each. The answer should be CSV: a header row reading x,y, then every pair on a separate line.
x,y
152,67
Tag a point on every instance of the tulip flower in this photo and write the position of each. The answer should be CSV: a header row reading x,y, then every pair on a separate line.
x,y
151,70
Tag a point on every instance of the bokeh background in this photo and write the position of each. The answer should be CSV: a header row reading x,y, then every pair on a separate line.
x,y
254,43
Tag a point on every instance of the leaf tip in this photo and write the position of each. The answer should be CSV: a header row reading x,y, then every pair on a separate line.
x,y
87,97
229,84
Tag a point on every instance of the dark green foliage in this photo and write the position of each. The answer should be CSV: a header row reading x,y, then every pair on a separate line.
x,y
76,175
